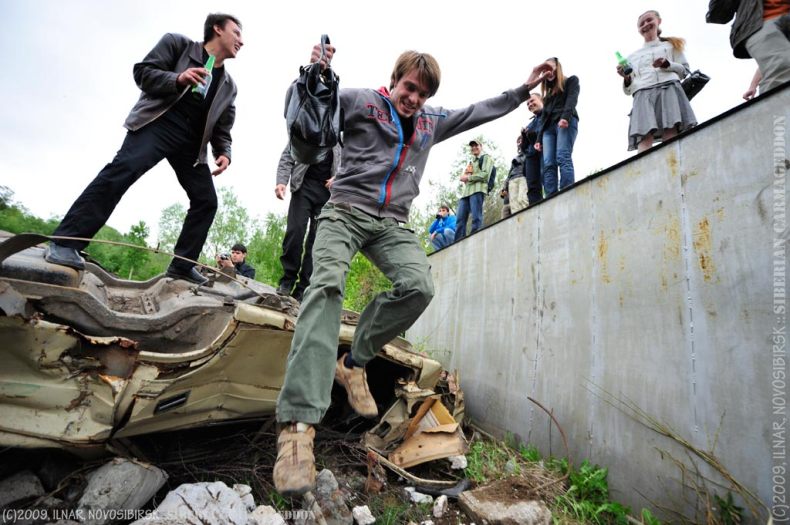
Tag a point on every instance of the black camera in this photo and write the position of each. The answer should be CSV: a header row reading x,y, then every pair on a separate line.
x,y
438,216
225,256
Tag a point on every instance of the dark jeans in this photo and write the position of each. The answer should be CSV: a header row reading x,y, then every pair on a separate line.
x,y
534,169
473,202
306,204
166,138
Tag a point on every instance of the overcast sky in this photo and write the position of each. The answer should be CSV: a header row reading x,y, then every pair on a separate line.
x,y
68,86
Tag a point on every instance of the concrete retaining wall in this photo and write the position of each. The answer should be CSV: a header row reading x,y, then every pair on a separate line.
x,y
649,285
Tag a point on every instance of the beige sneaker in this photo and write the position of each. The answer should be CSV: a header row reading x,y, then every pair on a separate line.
x,y
355,381
294,470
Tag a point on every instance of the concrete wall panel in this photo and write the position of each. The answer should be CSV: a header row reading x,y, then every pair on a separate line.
x,y
650,283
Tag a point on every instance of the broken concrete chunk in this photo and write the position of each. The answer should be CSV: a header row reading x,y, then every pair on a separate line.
x,y
511,467
206,503
483,510
325,483
22,485
245,493
440,507
418,497
458,462
363,516
119,484
264,515
332,500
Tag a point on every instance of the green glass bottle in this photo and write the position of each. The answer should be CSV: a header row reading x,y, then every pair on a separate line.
x,y
201,90
627,69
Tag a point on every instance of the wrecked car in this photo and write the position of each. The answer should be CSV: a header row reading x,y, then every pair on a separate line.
x,y
89,359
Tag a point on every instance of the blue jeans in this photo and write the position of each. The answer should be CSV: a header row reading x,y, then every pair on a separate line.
x,y
557,151
443,238
475,202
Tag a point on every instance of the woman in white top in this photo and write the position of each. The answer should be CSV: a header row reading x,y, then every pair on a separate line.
x,y
661,109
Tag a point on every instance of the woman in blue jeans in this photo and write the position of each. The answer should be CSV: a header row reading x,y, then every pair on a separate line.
x,y
559,125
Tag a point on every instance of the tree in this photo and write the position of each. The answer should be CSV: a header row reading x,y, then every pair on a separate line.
x,y
232,224
171,219
265,247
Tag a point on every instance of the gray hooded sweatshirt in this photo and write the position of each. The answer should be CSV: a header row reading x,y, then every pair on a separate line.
x,y
381,169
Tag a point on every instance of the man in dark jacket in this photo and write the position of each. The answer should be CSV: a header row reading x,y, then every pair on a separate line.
x,y
388,134
237,259
172,121
309,192
761,31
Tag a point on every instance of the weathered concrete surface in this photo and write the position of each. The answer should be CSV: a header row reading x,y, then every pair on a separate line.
x,y
653,282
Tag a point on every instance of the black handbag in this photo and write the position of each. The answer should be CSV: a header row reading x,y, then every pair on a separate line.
x,y
312,112
694,83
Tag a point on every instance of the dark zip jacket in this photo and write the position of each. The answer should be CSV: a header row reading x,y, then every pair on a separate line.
x,y
748,21
380,171
156,77
560,106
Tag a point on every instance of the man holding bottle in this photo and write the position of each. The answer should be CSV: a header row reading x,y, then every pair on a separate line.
x,y
183,106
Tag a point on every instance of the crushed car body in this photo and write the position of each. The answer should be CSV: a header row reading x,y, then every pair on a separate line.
x,y
89,358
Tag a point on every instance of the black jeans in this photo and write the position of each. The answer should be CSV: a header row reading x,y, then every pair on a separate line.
x,y
306,204
534,169
169,138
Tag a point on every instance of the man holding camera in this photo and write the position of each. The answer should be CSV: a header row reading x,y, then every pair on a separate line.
x,y
236,260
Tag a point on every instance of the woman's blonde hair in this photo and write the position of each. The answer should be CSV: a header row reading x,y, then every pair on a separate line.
x,y
677,43
558,84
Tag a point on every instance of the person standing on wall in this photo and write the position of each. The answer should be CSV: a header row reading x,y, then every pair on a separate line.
x,y
559,125
661,109
475,182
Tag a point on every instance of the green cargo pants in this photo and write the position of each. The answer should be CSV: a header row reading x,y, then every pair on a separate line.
x,y
342,232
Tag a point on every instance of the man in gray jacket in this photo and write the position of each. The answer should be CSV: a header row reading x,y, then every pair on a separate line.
x,y
309,192
388,134
172,121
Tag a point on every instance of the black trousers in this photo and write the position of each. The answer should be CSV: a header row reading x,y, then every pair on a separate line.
x,y
534,169
166,138
305,206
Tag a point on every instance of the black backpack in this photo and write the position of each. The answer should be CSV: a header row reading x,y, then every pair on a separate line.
x,y
312,113
492,177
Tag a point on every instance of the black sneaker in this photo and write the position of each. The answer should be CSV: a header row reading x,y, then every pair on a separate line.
x,y
284,289
191,275
64,256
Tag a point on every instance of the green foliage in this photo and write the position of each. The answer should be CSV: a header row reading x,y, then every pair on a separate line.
x,y
529,453
486,461
170,221
729,512
648,518
278,501
587,498
232,224
126,262
363,283
391,509
559,465
265,248
15,218
589,482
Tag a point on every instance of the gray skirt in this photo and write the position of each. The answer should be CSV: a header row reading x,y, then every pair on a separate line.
x,y
663,106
